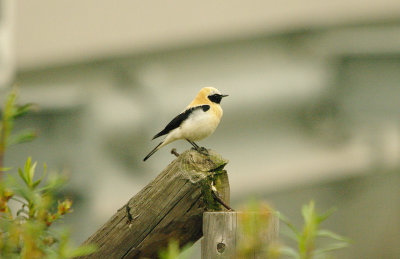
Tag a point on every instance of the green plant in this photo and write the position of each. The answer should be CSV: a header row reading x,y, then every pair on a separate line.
x,y
174,252
10,112
27,232
306,238
254,221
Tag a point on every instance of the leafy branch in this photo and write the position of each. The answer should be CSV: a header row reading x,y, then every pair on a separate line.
x,y
27,232
10,112
307,237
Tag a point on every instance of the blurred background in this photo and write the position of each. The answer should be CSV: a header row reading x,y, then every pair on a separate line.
x,y
312,112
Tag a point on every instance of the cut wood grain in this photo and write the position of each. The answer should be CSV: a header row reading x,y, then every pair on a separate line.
x,y
242,235
170,207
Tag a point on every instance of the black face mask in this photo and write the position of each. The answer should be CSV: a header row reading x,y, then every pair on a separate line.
x,y
216,98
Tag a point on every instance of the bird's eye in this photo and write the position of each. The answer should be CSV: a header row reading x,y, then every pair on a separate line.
x,y
215,98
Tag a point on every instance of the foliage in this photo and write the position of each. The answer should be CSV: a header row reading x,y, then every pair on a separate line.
x,y
306,238
28,207
254,221
10,112
174,252
254,224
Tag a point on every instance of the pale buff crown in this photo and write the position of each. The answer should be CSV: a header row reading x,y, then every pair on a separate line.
x,y
202,98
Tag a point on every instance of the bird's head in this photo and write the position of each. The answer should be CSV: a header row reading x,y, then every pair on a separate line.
x,y
211,94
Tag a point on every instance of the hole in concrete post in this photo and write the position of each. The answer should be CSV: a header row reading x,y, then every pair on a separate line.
x,y
220,247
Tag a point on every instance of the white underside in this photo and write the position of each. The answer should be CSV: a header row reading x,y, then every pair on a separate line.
x,y
197,126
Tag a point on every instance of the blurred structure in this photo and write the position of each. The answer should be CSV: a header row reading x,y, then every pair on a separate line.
x,y
313,111
6,42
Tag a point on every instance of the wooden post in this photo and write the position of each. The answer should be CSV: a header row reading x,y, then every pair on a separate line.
x,y
170,207
241,235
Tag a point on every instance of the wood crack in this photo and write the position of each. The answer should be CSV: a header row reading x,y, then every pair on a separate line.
x,y
167,209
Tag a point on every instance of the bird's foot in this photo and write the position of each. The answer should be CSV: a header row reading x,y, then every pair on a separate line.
x,y
203,151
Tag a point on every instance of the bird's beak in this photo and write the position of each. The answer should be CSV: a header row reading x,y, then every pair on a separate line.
x,y
224,95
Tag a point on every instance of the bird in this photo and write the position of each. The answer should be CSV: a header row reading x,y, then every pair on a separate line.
x,y
196,122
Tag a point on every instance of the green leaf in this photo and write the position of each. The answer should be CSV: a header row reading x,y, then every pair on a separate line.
x,y
290,234
285,220
29,171
9,107
174,252
83,250
22,175
27,167
36,183
307,239
308,211
171,252
5,169
22,137
326,215
331,247
19,189
22,110
53,183
330,234
6,120
288,251
32,173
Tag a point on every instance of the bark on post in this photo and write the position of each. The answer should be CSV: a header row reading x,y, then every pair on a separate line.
x,y
170,207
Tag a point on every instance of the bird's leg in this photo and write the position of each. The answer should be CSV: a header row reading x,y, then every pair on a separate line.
x,y
201,150
195,146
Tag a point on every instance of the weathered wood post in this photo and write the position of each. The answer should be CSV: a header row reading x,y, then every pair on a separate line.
x,y
170,207
241,235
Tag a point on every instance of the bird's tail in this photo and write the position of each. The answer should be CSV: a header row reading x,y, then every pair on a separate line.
x,y
153,151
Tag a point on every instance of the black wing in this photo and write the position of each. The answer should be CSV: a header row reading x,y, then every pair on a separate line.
x,y
177,121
